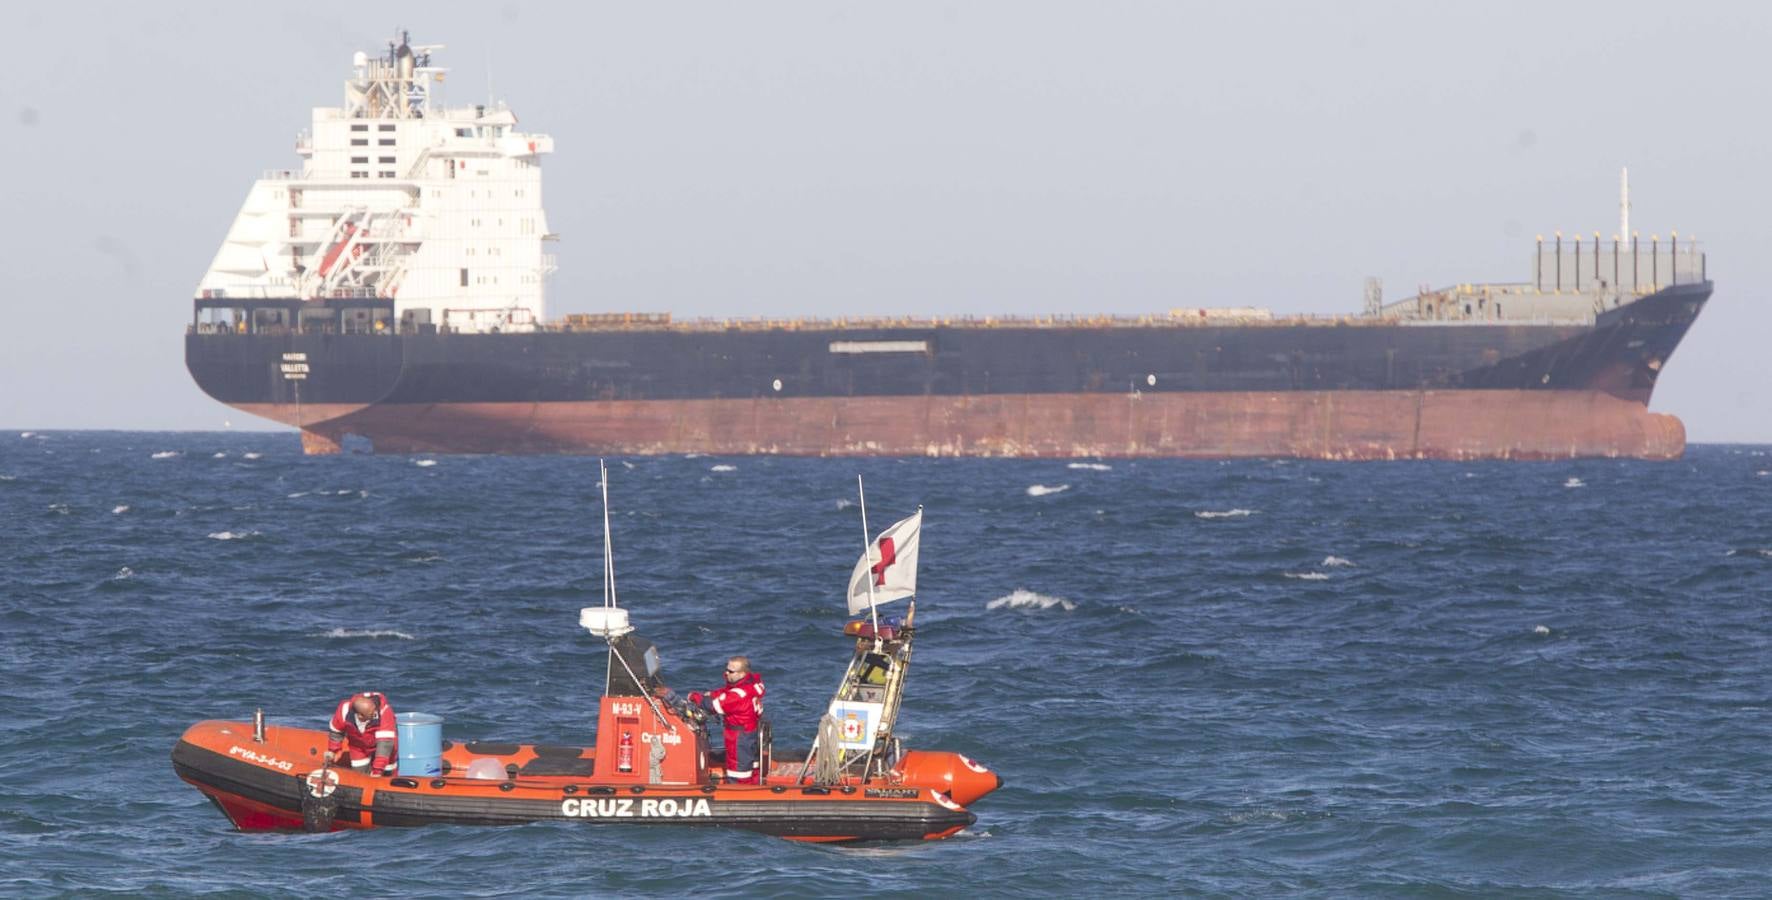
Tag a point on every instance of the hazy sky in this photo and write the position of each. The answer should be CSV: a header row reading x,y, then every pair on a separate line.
x,y
745,159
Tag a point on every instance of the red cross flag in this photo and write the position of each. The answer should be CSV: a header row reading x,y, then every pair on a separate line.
x,y
890,565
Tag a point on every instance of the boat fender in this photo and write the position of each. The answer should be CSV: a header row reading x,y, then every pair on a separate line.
x,y
778,789
638,789
438,782
569,790
708,789
600,789
821,791
506,785
404,782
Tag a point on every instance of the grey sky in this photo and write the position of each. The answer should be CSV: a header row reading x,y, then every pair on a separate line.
x,y
727,159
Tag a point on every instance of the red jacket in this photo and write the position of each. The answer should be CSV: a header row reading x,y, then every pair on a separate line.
x,y
375,739
741,702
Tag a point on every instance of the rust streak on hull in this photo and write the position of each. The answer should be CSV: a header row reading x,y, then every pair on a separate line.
x,y
1341,425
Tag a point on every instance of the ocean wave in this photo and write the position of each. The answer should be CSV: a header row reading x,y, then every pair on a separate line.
x,y
1223,514
1026,599
254,455
366,633
219,455
1541,630
119,509
845,503
722,467
164,454
1333,561
123,574
1574,482
424,463
1751,551
1308,576
27,435
1091,467
1041,490
234,535
298,494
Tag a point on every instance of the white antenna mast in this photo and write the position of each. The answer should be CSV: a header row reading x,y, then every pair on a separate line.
x,y
867,549
608,545
1624,204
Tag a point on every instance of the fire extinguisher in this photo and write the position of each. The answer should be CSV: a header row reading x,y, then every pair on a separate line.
x,y
624,753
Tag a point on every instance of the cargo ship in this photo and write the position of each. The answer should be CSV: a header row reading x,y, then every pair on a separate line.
x,y
392,290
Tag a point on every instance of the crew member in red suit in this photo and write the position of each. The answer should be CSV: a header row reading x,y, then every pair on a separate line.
x,y
362,730
740,703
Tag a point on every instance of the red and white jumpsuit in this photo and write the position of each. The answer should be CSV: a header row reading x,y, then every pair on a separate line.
x,y
741,704
374,743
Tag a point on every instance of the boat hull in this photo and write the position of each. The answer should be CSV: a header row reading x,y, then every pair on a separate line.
x,y
264,786
1366,389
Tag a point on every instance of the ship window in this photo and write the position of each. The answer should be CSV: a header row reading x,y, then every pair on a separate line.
x,y
359,174
359,127
464,278
384,159
384,128
359,142
385,175
464,132
386,142
1497,310
1467,309
359,160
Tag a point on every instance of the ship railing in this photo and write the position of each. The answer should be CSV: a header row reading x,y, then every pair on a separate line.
x,y
281,175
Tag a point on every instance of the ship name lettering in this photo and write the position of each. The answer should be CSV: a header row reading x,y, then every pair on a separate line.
x,y
624,808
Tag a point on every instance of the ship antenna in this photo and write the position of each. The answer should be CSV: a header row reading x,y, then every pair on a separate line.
x,y
608,545
867,549
1624,201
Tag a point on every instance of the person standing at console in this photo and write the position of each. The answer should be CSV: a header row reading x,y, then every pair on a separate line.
x,y
740,703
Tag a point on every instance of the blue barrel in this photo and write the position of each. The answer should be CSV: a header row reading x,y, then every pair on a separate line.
x,y
421,743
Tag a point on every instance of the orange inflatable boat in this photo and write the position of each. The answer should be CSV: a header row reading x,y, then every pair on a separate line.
x,y
650,765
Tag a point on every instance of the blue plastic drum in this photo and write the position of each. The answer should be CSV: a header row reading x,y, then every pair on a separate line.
x,y
421,743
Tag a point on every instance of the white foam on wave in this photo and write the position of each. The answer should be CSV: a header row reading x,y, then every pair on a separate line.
x,y
233,535
254,455
424,463
1091,467
164,454
1762,473
219,455
366,633
1041,490
8,477
1541,630
845,503
123,574
27,435
298,494
1330,562
1021,598
119,509
1223,513
722,468
626,465
1574,482
1308,576
1757,551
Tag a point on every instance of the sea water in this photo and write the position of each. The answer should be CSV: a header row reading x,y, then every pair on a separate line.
x,y
1260,677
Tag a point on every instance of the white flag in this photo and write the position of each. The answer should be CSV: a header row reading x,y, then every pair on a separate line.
x,y
890,564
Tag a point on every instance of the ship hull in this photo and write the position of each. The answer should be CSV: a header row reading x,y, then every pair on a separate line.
x,y
1339,425
1355,391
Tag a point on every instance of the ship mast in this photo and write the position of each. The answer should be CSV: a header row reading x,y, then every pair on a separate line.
x,y
1624,204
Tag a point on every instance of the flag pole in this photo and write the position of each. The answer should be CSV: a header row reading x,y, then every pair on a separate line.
x,y
867,549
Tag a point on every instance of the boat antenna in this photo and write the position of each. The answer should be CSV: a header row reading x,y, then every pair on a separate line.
x,y
1624,202
867,549
608,545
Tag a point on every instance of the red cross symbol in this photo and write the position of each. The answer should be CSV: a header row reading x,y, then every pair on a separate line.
x,y
887,558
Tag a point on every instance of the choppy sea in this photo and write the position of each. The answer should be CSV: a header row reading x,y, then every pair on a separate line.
x,y
1250,678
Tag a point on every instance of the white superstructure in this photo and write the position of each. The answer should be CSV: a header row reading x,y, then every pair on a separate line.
x,y
437,208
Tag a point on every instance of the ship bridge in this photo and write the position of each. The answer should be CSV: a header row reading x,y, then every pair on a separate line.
x,y
432,211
